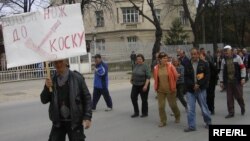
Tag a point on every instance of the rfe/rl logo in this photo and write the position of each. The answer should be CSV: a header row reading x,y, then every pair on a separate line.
x,y
229,132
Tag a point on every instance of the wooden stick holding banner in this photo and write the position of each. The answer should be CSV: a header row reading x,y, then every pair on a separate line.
x,y
48,74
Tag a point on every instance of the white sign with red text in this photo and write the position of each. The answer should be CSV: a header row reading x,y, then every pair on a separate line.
x,y
47,35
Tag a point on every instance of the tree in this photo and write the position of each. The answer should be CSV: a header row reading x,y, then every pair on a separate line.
x,y
21,6
155,21
228,21
89,4
196,21
176,35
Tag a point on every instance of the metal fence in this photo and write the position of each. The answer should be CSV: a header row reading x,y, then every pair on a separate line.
x,y
120,51
28,72
111,52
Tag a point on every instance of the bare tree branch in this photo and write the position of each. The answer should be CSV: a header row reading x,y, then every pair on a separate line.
x,y
16,3
141,12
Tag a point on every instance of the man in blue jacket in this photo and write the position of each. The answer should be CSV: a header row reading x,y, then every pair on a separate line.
x,y
101,83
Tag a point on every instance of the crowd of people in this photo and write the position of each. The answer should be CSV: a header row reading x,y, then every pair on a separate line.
x,y
190,80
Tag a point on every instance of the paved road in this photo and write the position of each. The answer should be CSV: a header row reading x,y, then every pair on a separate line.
x,y
26,119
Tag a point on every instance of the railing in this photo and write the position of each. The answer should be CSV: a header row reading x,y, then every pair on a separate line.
x,y
111,52
23,73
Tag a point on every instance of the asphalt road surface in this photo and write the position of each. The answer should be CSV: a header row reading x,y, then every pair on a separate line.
x,y
24,118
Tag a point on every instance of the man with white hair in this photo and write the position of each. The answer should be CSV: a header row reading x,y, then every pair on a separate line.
x,y
232,77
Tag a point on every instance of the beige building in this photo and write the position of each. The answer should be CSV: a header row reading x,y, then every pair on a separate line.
x,y
124,25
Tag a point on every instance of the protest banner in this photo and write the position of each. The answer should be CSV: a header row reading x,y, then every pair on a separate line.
x,y
51,34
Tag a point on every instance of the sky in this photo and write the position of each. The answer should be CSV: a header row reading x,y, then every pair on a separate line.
x,y
10,9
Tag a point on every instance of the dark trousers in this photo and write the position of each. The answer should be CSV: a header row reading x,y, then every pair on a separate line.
x,y
59,133
180,94
97,95
234,91
211,96
136,90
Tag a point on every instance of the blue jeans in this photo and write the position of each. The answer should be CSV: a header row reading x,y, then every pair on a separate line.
x,y
201,98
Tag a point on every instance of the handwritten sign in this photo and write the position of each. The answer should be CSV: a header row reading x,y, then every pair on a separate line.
x,y
47,35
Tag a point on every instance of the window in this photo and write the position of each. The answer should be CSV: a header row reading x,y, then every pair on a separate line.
x,y
68,1
99,18
130,15
100,45
158,14
132,42
88,45
183,18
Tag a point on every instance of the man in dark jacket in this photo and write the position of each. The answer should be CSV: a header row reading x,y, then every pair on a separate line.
x,y
232,77
183,58
196,80
70,103
101,84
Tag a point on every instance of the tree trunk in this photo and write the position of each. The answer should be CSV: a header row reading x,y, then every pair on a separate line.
x,y
25,6
157,43
216,19
192,23
243,31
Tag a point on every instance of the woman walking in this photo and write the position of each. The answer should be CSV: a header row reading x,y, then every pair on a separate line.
x,y
165,76
141,83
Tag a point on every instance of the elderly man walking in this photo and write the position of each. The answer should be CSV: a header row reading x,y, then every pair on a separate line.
x,y
232,77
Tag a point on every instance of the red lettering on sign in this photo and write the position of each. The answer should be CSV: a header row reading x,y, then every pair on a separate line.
x,y
73,37
46,14
65,42
62,11
81,37
24,31
52,47
53,11
70,41
15,35
61,43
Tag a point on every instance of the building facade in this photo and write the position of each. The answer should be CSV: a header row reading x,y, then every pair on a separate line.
x,y
122,25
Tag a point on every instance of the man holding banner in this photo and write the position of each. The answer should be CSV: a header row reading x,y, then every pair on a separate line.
x,y
70,103
53,34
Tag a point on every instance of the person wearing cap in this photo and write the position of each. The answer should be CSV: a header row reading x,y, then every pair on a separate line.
x,y
70,103
101,84
232,77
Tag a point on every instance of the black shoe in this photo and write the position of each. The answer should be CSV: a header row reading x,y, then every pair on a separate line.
x,y
243,111
229,116
135,115
143,115
189,130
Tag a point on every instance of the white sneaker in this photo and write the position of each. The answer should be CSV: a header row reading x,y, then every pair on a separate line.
x,y
108,109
